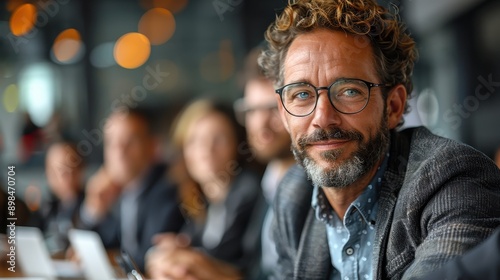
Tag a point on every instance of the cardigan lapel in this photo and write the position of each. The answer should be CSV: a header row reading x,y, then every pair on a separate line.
x,y
313,257
391,184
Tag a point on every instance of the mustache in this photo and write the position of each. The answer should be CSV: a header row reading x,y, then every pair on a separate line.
x,y
330,134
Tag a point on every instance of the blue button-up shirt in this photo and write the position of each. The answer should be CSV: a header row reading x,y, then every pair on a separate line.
x,y
351,241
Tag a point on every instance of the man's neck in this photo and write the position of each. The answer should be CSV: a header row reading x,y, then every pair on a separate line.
x,y
341,198
137,183
275,171
218,189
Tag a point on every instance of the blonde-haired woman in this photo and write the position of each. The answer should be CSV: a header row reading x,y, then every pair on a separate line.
x,y
212,145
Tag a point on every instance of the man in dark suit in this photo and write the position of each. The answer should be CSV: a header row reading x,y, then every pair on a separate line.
x,y
386,204
64,170
130,200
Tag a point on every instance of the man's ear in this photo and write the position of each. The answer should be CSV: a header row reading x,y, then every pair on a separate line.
x,y
396,102
282,113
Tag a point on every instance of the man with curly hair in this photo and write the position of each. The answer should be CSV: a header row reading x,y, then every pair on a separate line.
x,y
386,204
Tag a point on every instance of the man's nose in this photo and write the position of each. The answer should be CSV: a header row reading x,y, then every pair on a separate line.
x,y
325,115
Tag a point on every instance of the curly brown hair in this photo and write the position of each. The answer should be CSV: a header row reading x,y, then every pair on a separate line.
x,y
394,50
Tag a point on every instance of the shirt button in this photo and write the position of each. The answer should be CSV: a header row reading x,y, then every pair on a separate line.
x,y
349,251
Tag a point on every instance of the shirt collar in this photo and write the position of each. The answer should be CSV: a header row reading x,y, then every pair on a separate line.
x,y
270,180
365,203
138,185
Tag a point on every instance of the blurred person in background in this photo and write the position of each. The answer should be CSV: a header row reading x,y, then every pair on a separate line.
x,y
130,199
210,139
53,130
270,143
64,169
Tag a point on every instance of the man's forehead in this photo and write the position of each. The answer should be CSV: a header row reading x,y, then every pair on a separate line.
x,y
325,42
319,35
259,91
326,49
122,120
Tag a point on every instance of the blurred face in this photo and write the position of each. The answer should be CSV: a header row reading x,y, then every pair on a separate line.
x,y
267,136
64,171
210,149
128,148
338,149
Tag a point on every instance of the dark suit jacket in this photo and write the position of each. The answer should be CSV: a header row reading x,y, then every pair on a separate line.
x,y
55,221
480,263
240,203
439,198
158,211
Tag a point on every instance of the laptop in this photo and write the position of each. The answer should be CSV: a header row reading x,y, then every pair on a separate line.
x,y
34,257
93,258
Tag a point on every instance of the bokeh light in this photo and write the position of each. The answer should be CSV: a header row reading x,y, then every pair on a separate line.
x,y
38,91
158,25
132,50
68,46
23,19
11,98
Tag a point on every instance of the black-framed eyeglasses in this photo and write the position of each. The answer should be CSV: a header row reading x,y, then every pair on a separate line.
x,y
347,96
242,110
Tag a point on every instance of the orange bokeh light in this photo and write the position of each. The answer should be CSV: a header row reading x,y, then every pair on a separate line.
x,y
67,45
158,25
132,50
23,19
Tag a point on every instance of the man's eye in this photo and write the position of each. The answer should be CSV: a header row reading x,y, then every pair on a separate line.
x,y
351,92
302,95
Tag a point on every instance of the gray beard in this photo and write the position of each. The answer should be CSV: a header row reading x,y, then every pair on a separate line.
x,y
342,174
